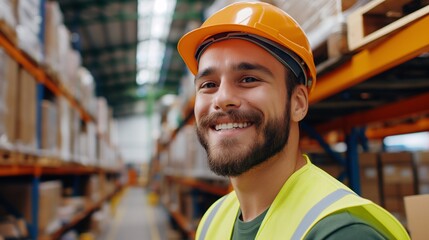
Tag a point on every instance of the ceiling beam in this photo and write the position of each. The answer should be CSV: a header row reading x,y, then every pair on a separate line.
x,y
110,79
109,63
131,82
93,52
82,5
121,16
128,88
117,87
116,76
132,96
117,82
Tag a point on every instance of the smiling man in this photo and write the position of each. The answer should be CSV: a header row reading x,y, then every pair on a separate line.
x,y
254,71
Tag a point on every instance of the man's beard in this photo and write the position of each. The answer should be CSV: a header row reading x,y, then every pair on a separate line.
x,y
228,159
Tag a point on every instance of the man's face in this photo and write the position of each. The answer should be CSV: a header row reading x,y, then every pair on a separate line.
x,y
240,107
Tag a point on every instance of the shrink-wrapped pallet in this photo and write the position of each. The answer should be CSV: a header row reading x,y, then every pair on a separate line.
x,y
53,19
64,129
8,13
29,28
86,87
102,115
49,133
76,127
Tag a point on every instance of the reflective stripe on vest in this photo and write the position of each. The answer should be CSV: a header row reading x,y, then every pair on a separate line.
x,y
210,218
316,210
308,219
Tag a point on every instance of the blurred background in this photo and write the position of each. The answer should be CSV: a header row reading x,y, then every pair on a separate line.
x,y
97,136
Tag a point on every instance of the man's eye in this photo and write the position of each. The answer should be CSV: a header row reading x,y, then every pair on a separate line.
x,y
208,85
249,79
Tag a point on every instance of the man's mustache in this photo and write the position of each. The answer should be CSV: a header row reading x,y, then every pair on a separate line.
x,y
251,116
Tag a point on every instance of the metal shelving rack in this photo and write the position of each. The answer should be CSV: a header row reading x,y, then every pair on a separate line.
x,y
35,171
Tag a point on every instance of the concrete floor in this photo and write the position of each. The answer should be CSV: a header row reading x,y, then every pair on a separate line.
x,y
136,219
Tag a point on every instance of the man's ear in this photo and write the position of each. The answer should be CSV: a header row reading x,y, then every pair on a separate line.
x,y
299,103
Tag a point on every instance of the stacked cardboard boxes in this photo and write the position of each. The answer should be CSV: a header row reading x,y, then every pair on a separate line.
x,y
398,181
29,28
8,13
86,88
8,100
49,128
20,196
64,129
370,176
27,113
422,166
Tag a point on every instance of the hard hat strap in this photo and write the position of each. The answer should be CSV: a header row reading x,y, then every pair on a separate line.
x,y
282,54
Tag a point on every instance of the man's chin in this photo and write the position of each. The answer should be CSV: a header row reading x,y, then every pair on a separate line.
x,y
229,163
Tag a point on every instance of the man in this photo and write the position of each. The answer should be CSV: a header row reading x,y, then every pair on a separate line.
x,y
253,71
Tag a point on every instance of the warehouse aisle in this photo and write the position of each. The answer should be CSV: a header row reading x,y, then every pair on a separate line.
x,y
136,219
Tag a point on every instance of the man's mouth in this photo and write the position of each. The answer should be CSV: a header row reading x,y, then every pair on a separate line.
x,y
229,126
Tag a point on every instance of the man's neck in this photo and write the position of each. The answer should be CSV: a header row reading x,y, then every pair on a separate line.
x,y
257,188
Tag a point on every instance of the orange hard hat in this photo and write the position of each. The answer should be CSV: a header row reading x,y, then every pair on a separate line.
x,y
261,23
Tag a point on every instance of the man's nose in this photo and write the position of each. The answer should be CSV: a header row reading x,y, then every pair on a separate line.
x,y
227,97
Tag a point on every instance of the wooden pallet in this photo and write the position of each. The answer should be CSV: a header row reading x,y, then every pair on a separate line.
x,y
7,157
49,162
378,19
26,158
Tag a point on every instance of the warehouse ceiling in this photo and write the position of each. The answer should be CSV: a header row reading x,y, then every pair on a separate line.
x,y
106,33
108,41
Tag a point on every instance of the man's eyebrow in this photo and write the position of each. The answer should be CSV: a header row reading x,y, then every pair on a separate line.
x,y
239,67
251,66
204,73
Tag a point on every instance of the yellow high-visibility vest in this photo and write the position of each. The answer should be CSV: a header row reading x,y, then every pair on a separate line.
x,y
309,195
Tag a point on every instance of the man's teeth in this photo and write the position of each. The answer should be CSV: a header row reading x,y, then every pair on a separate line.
x,y
227,126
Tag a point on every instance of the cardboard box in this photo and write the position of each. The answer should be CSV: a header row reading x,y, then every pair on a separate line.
x,y
64,128
27,114
49,126
102,115
370,176
397,167
8,99
8,12
20,196
422,166
30,26
398,181
417,210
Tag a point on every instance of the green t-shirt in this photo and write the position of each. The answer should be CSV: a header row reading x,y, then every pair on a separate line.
x,y
341,225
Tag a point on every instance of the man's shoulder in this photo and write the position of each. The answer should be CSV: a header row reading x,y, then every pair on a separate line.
x,y
343,225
